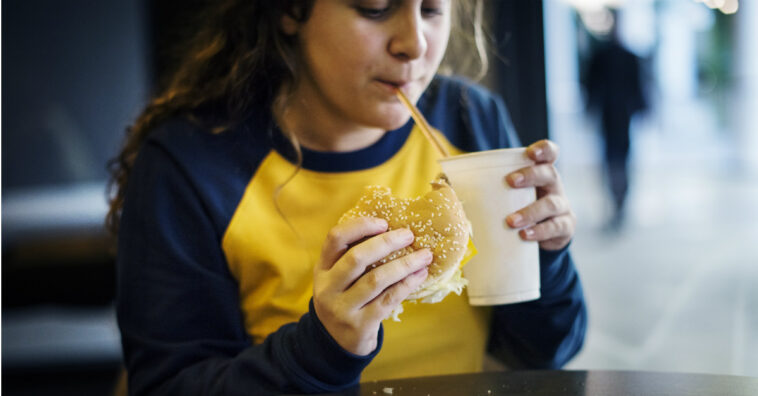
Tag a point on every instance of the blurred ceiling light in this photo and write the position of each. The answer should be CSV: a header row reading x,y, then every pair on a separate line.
x,y
725,6
712,4
730,6
594,5
596,15
599,22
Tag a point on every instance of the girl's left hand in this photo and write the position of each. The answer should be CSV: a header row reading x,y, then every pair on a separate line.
x,y
549,220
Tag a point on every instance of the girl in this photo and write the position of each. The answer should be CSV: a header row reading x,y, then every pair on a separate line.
x,y
232,275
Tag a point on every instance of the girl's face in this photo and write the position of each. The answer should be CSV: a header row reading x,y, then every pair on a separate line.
x,y
355,52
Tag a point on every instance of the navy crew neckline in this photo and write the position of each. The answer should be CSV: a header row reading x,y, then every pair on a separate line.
x,y
332,161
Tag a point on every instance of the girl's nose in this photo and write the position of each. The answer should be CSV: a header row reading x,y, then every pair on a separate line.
x,y
408,41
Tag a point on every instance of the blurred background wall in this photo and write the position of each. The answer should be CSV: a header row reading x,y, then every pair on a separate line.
x,y
672,287
74,73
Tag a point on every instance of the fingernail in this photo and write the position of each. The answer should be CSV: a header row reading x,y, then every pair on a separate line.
x,y
381,223
538,153
517,178
426,256
516,219
406,235
528,232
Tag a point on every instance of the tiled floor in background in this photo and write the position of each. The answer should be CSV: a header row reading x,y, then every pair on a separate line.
x,y
677,288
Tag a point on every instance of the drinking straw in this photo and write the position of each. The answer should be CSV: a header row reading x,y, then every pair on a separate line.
x,y
422,124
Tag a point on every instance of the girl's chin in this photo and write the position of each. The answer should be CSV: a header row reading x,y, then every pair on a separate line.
x,y
387,116
395,118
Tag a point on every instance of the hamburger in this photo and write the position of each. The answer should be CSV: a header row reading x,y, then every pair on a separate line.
x,y
438,222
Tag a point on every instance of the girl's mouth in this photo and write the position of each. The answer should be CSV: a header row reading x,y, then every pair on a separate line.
x,y
392,86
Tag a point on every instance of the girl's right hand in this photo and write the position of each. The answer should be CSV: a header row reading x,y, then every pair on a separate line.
x,y
350,302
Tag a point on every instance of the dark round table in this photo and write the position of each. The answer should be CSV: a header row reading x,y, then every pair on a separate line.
x,y
563,383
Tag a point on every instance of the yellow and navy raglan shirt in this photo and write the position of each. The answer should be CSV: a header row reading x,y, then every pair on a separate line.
x,y
215,278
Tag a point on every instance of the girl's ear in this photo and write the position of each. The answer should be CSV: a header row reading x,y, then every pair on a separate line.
x,y
289,25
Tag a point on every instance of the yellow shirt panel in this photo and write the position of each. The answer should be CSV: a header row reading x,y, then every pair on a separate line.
x,y
274,264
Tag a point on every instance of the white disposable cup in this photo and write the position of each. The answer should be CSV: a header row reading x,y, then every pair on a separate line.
x,y
506,269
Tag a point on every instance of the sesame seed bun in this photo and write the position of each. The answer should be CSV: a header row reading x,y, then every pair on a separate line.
x,y
438,222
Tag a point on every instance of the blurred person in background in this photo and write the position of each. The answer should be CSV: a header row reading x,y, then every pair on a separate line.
x,y
615,94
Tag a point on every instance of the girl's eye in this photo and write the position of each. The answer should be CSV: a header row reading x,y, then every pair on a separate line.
x,y
431,11
432,8
429,8
373,13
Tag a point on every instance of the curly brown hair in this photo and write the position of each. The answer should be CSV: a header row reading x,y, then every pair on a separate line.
x,y
237,61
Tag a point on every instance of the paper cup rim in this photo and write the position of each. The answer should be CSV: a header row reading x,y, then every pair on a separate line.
x,y
487,159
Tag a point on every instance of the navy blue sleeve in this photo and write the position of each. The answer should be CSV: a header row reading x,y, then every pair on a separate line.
x,y
548,332
178,309
471,117
545,333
